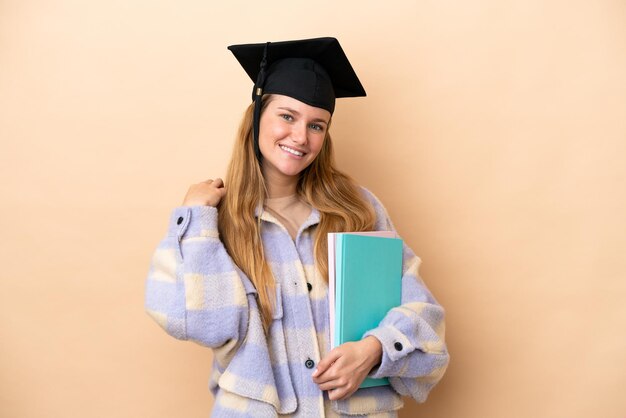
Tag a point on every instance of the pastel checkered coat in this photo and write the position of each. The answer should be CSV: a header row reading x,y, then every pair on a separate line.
x,y
195,292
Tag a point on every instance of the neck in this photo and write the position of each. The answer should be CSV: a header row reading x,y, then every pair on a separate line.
x,y
279,186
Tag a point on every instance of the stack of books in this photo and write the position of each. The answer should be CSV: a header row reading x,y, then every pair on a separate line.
x,y
365,282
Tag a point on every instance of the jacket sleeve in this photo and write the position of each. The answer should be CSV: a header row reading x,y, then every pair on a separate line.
x,y
193,290
412,335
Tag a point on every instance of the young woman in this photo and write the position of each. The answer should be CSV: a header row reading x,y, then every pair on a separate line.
x,y
243,268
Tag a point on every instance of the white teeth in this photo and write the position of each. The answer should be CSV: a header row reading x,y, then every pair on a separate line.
x,y
292,151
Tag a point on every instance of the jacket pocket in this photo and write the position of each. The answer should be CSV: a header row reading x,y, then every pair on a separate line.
x,y
370,400
279,359
260,368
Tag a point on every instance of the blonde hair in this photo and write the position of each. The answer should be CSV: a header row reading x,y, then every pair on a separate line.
x,y
334,194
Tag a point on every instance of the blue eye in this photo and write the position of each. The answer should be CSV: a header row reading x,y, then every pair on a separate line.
x,y
287,117
316,127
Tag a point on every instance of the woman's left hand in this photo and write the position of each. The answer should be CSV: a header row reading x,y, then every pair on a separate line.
x,y
345,367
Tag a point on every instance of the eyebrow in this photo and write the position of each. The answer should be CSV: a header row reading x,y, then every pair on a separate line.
x,y
298,114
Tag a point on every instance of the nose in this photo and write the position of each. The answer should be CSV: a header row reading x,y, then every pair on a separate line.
x,y
299,134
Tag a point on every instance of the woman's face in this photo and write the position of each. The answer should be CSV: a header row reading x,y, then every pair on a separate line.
x,y
291,134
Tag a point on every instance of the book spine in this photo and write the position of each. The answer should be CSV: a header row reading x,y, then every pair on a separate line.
x,y
331,287
338,289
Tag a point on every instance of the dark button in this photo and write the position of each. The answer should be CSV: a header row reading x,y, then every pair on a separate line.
x,y
309,364
398,346
180,220
310,286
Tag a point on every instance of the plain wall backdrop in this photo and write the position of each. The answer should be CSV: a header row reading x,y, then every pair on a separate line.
x,y
493,131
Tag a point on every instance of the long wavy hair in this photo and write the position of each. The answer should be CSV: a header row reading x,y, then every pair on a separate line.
x,y
335,195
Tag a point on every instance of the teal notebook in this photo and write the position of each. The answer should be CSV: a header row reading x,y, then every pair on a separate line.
x,y
368,283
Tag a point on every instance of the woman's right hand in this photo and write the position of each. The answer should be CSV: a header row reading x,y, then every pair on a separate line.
x,y
206,193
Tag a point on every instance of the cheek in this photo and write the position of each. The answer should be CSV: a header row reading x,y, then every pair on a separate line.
x,y
271,132
316,144
266,139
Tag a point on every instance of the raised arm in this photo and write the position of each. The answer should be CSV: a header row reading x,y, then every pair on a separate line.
x,y
194,291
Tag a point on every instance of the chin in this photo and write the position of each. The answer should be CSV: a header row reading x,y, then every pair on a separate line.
x,y
291,173
293,170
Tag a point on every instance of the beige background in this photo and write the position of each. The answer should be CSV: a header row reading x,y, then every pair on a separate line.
x,y
493,131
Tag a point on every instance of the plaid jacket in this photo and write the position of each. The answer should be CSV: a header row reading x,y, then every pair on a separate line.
x,y
195,292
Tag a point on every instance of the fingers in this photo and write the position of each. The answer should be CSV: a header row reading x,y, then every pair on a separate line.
x,y
217,185
218,182
326,362
332,384
336,394
206,193
338,388
341,371
340,393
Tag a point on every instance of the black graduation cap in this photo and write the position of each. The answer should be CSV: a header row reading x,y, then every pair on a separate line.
x,y
313,71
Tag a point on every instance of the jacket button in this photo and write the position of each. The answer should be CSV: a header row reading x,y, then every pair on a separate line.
x,y
180,220
309,364
398,346
310,286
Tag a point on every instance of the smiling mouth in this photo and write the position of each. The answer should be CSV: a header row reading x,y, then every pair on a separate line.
x,y
291,151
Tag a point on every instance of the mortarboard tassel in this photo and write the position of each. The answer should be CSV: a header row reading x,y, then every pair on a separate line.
x,y
258,94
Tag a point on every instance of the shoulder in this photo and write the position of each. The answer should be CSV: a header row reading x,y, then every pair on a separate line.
x,y
370,196
383,222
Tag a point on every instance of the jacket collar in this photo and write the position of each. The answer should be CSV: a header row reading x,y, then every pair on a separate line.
x,y
313,218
